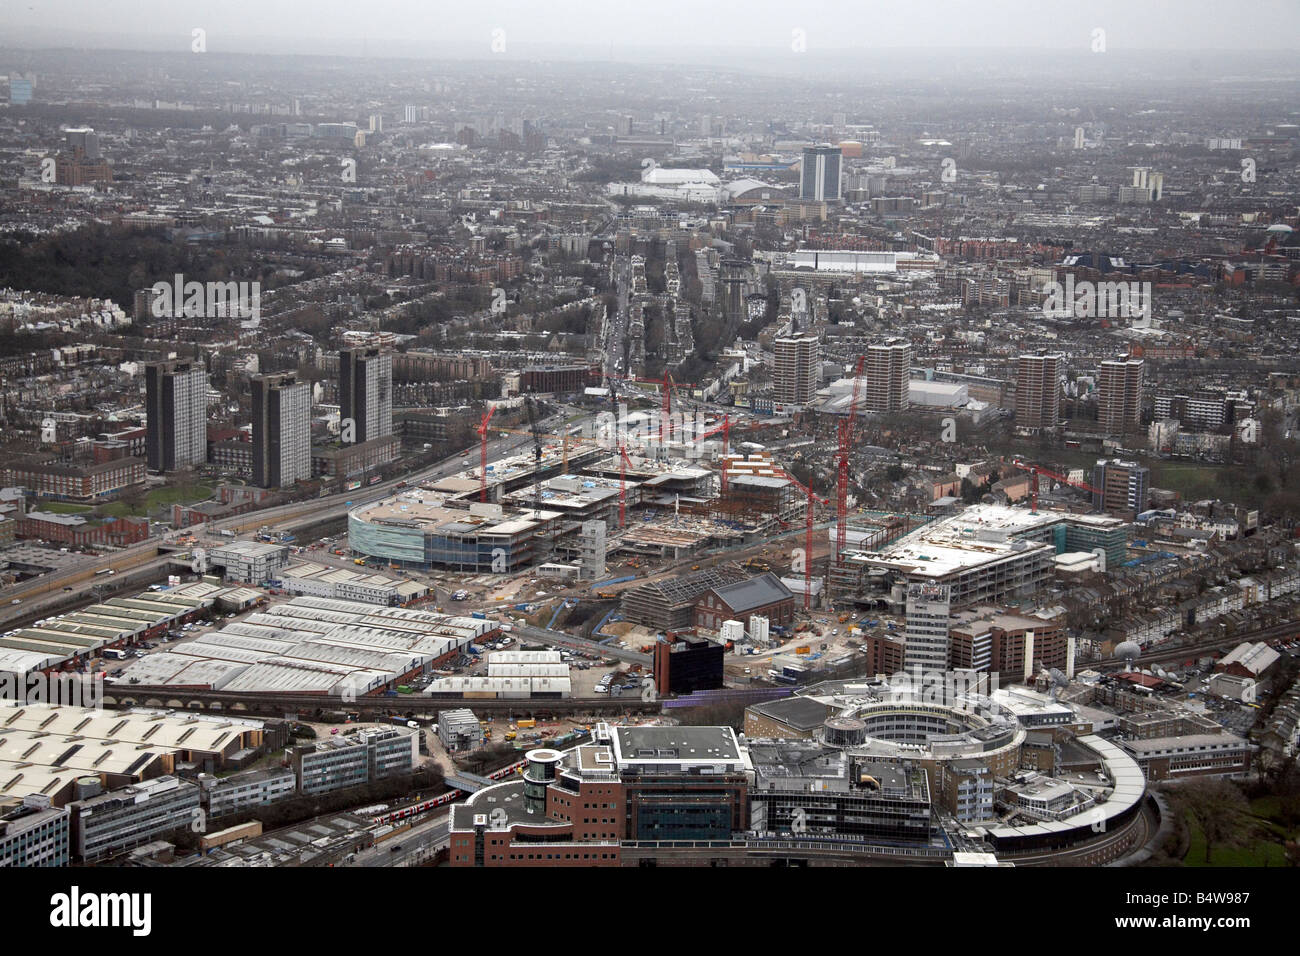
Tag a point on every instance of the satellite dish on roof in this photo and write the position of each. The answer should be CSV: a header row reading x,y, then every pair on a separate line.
x,y
1128,651
1059,681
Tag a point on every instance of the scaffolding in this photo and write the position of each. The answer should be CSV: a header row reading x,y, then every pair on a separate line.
x,y
848,579
670,604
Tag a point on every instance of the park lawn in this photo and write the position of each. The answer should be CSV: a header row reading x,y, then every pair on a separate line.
x,y
182,494
62,507
1260,852
158,499
1193,480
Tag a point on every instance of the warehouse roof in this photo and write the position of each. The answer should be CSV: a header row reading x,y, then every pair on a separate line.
x,y
754,593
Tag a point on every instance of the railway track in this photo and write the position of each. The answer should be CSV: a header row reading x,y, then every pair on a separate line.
x,y
1285,629
401,705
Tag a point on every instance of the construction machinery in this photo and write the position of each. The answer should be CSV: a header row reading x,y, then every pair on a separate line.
x,y
482,453
666,385
725,430
531,408
807,535
845,446
1036,470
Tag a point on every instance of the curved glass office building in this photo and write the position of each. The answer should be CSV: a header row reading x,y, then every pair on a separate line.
x,y
412,533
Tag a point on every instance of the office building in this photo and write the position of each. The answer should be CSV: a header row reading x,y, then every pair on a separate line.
x,y
250,562
366,392
176,409
281,430
1038,391
428,534
354,759
1119,395
83,142
347,584
246,790
34,834
888,369
20,91
1122,487
985,553
825,793
459,729
683,665
925,638
796,372
112,823
598,804
1190,755
822,173
1015,646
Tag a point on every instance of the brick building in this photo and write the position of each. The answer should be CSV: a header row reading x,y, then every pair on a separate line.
x,y
79,531
561,379
764,594
631,784
76,481
997,640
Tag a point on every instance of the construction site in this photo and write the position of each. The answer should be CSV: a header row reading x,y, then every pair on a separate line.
x,y
658,509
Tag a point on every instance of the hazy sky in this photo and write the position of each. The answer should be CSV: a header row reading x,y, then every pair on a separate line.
x,y
464,27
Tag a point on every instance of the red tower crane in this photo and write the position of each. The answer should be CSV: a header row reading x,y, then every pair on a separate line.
x,y
666,385
807,532
725,429
623,462
842,468
1036,470
482,430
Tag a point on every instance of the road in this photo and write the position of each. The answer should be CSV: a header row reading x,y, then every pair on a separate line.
x,y
283,517
561,639
413,845
616,337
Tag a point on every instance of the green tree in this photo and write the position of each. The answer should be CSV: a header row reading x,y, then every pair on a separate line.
x,y
1219,808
